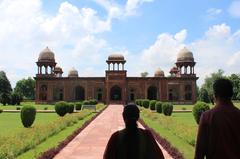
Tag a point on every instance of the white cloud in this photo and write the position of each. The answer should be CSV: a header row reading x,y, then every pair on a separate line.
x,y
164,51
234,9
214,11
25,30
116,10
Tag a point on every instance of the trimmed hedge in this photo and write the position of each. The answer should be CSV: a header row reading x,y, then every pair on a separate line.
x,y
158,107
70,108
28,114
198,109
167,109
152,104
78,106
90,102
61,108
145,103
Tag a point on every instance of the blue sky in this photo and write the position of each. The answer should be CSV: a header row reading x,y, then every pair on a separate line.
x,y
150,33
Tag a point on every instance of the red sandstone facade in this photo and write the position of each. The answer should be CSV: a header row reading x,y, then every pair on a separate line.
x,y
116,87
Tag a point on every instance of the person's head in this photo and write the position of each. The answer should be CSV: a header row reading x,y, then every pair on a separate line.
x,y
223,90
130,115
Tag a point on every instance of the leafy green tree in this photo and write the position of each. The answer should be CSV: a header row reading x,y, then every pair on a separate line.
x,y
203,95
26,87
208,82
144,74
235,79
5,88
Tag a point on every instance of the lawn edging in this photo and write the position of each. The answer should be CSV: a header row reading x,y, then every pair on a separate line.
x,y
163,142
49,154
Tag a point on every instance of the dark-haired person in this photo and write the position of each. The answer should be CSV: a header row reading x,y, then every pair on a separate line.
x,y
132,142
219,128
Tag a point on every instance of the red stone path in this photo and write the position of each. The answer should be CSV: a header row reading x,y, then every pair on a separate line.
x,y
91,142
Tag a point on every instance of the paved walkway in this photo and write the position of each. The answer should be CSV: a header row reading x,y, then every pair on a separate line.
x,y
91,142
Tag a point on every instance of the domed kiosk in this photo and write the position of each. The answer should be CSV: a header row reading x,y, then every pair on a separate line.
x,y
185,60
46,61
116,59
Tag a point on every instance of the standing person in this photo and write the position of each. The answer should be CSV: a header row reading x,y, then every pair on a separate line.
x,y
219,128
132,142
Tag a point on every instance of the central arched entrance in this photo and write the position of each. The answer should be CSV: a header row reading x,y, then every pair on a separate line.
x,y
152,93
79,93
116,93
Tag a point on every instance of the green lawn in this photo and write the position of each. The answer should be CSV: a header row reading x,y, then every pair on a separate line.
x,y
53,141
180,129
38,106
189,107
11,122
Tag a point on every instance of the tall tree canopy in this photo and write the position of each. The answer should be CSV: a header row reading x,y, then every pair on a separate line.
x,y
26,87
235,78
144,74
208,82
5,88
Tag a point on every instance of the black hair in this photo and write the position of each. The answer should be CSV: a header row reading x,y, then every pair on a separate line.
x,y
130,116
223,89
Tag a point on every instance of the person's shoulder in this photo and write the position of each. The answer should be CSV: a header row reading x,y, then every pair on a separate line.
x,y
116,134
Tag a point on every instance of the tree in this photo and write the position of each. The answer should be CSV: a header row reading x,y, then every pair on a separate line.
x,y
25,87
208,82
235,79
203,95
144,74
5,88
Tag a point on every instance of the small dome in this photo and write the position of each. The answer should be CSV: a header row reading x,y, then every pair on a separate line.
x,y
46,55
116,57
73,73
185,55
58,69
159,73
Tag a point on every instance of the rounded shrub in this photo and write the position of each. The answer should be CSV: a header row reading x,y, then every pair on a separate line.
x,y
85,102
92,102
78,106
158,106
28,114
167,109
1,110
145,103
70,108
152,104
137,102
61,108
198,109
18,108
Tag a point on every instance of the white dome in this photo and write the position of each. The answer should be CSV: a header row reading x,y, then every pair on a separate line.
x,y
46,55
116,57
159,73
73,73
185,55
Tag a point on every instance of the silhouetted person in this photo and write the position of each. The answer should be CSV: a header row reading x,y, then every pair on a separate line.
x,y
219,128
132,142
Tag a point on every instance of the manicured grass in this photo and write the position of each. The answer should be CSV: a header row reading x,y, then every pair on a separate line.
x,y
180,129
53,141
189,107
38,106
10,123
